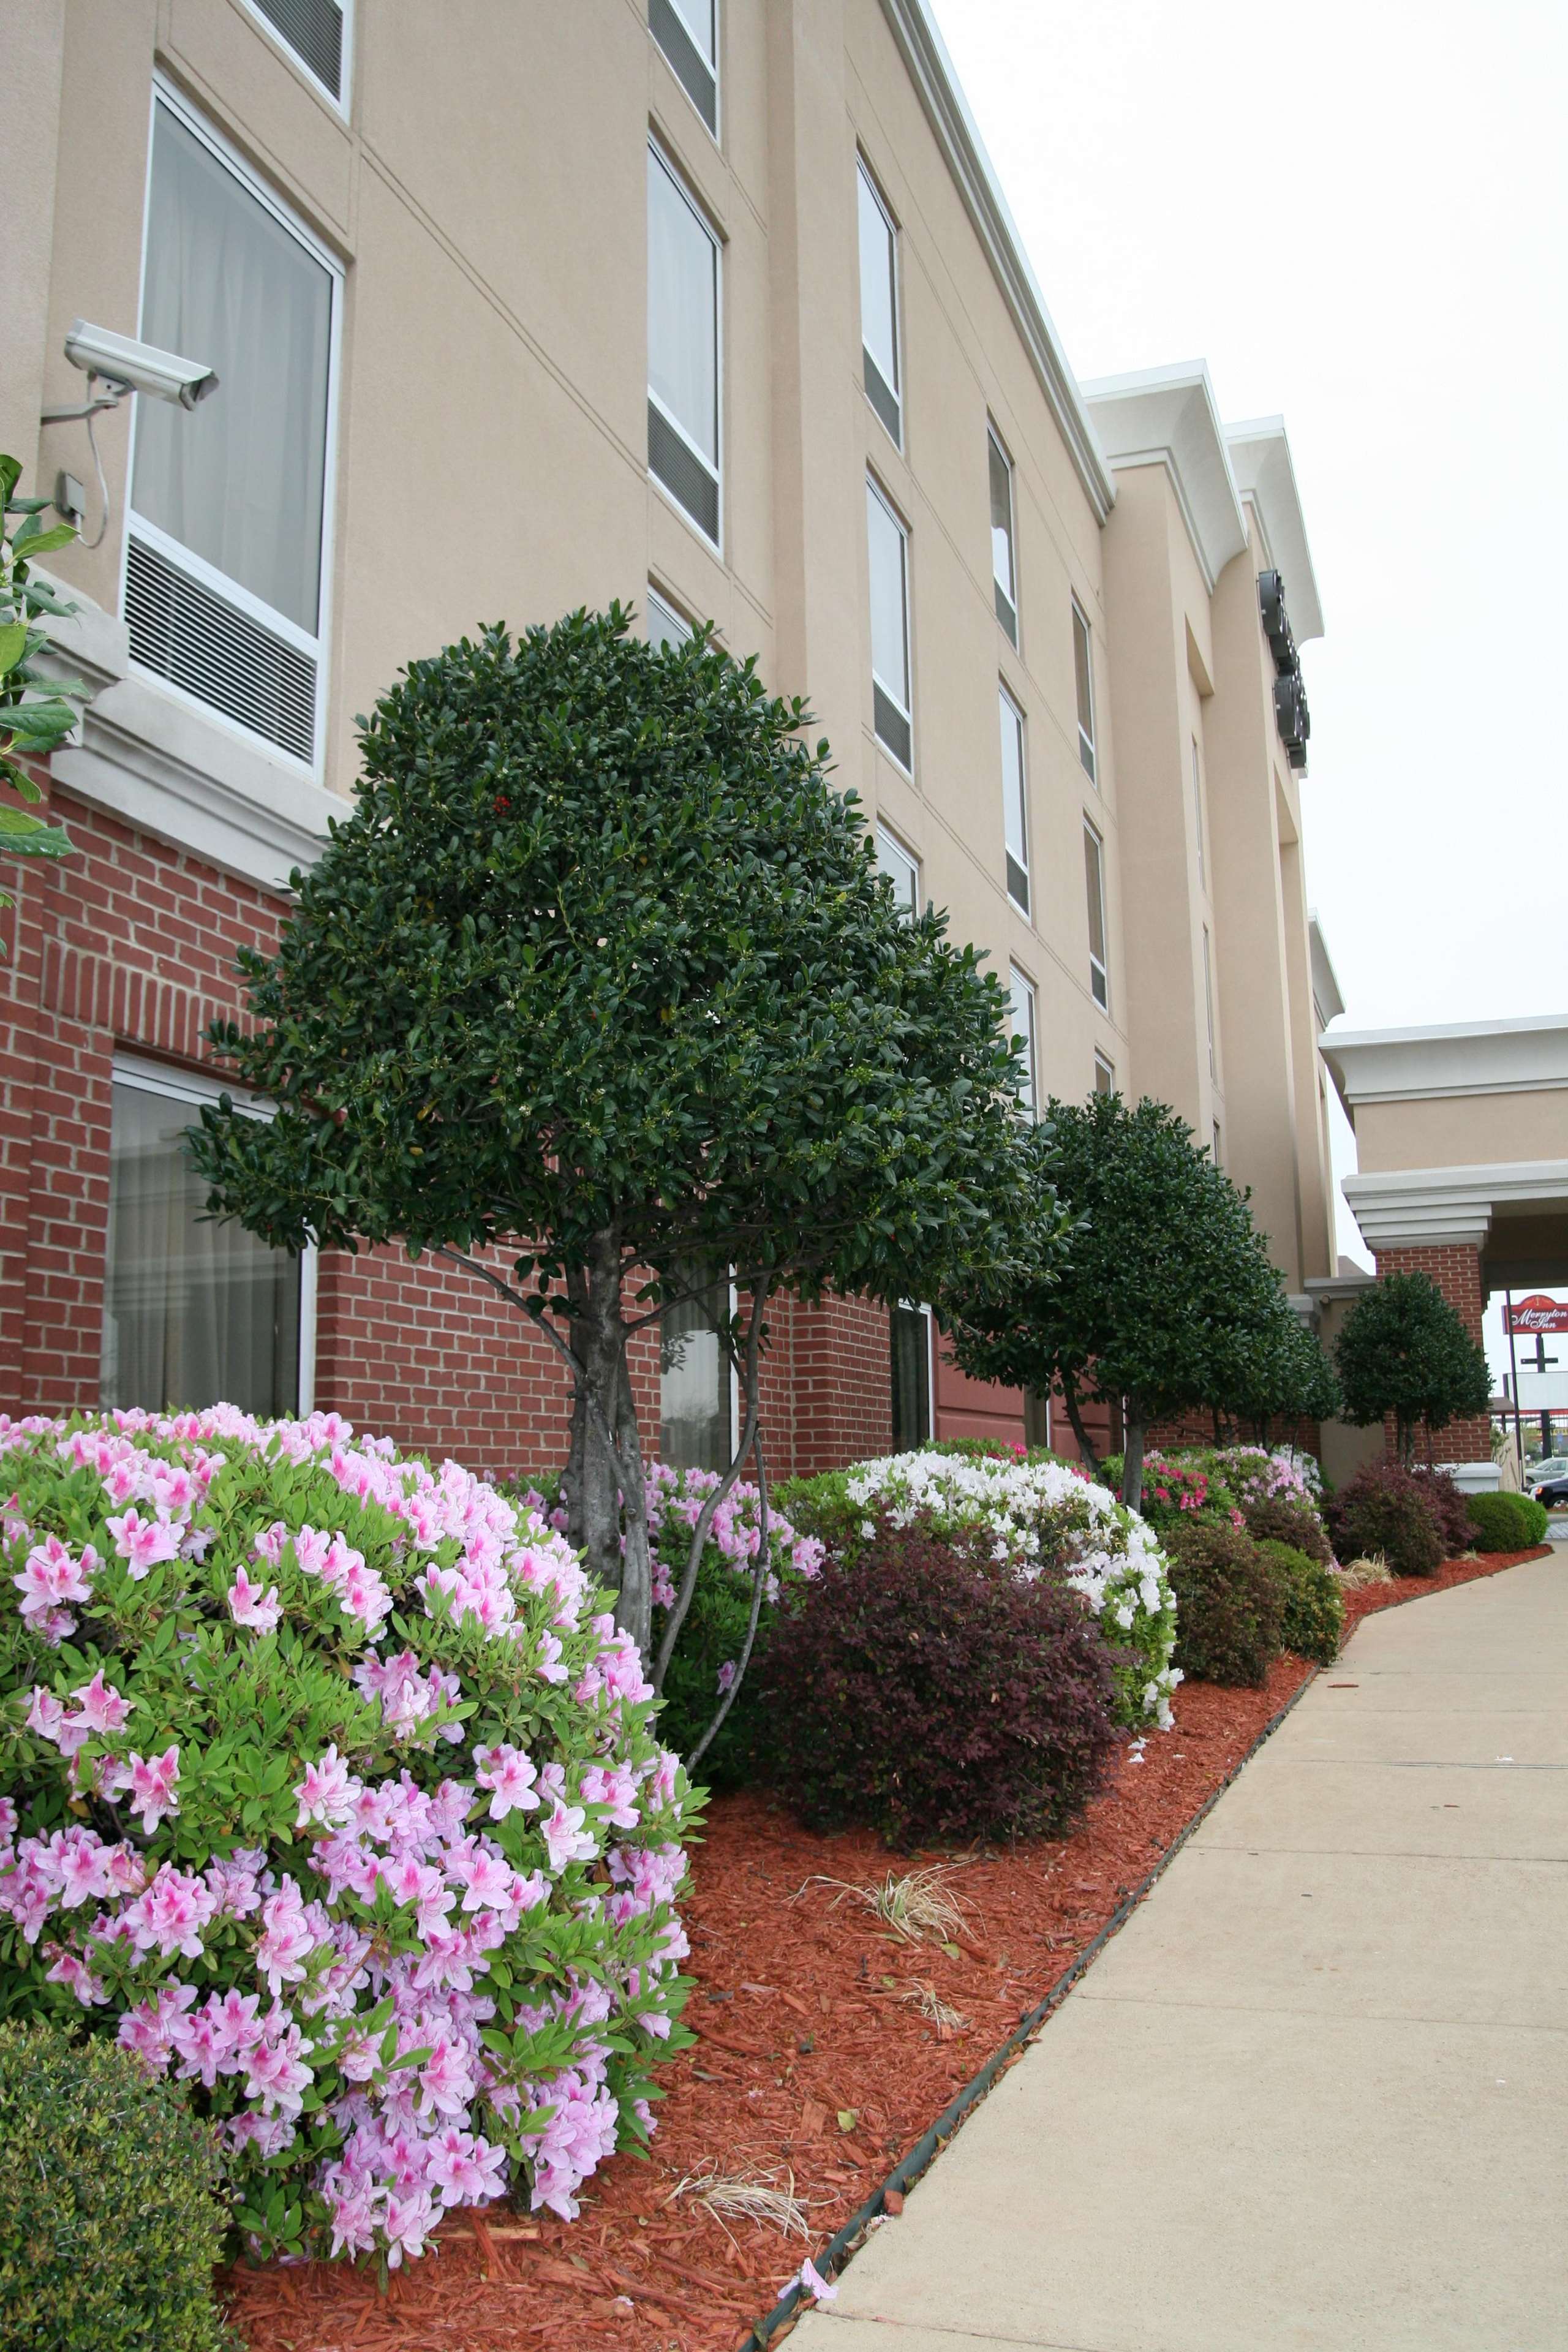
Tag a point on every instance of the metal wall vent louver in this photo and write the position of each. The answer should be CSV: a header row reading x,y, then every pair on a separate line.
x,y
883,398
691,69
182,631
683,472
314,31
892,726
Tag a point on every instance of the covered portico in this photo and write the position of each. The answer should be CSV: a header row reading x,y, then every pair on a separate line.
x,y
1462,1143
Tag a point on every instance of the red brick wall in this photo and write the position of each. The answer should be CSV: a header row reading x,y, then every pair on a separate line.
x,y
1456,1269
131,944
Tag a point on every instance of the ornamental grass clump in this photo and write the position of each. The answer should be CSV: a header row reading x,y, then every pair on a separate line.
x,y
327,1788
920,1694
1230,1599
1024,1520
1385,1508
109,2228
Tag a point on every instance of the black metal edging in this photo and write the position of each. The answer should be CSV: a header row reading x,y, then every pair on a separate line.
x,y
909,2168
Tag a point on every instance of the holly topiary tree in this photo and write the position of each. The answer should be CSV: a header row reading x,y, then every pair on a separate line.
x,y
1277,1372
598,991
1404,1351
37,713
1166,1282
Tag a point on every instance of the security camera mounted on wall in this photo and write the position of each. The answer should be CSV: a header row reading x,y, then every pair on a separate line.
x,y
121,362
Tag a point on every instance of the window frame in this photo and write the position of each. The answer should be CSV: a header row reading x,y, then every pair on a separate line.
x,y
1099,966
340,105
905,767
1208,1007
710,231
195,1088
654,594
1008,707
318,649
714,129
1104,1068
916,1308
885,836
865,176
1001,594
1088,739
1020,987
1198,819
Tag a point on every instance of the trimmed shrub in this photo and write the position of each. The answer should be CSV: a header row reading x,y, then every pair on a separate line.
x,y
1313,1624
1274,1518
1506,1522
1230,1603
916,1693
1456,1530
1385,1508
337,1799
109,2228
1023,1519
713,1631
1174,1486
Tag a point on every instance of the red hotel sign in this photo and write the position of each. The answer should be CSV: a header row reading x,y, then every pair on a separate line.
x,y
1537,1313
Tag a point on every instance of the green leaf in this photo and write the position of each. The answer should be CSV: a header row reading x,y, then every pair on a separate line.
x,y
13,643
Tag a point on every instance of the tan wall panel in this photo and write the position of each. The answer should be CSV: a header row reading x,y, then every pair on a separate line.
x,y
1462,1131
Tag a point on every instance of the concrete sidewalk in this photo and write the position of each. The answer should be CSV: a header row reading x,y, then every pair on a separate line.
x,y
1315,2095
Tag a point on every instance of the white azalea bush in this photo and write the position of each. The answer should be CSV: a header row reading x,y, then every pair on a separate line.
x,y
1028,1519
327,1786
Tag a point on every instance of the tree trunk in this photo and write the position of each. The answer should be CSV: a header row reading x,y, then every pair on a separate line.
x,y
1069,1398
1133,1456
1218,1428
605,1477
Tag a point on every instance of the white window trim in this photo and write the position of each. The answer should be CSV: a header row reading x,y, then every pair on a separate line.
x,y
1200,829
195,1088
1031,1037
1103,1061
716,62
906,712
710,231
993,440
1208,1005
1008,703
317,646
280,40
655,594
863,168
1096,964
1091,740
885,833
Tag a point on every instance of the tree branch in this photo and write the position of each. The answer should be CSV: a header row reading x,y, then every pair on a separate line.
x,y
758,1578
1075,1416
536,1316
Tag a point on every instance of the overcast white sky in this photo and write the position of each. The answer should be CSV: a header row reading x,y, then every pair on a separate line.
x,y
1358,215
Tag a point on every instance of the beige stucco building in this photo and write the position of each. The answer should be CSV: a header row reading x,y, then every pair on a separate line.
x,y
715,307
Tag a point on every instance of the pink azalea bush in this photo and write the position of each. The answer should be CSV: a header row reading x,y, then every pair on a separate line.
x,y
327,1786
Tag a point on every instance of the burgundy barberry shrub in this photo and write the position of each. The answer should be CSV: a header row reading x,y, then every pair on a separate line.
x,y
922,1696
1280,1519
1387,1510
1230,1602
1450,1510
326,1787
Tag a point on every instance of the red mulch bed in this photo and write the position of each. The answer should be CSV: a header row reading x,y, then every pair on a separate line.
x,y
802,2032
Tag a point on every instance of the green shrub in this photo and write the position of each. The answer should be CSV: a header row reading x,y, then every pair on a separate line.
x,y
1384,1510
921,1695
109,2228
1314,1621
1277,1519
1230,1602
1506,1522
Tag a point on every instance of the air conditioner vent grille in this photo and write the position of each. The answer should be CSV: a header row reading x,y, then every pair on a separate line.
x,y
183,632
683,472
314,31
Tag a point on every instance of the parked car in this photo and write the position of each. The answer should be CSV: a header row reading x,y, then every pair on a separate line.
x,y
1553,1492
1551,1471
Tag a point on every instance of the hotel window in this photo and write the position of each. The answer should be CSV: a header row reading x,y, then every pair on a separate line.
x,y
911,1336
316,32
688,32
226,546
1104,1075
1004,570
1083,678
194,1312
889,553
1094,880
902,870
666,626
682,348
1198,817
696,1382
1023,996
1208,1003
1015,814
879,305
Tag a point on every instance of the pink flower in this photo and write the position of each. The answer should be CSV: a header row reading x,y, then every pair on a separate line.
x,y
248,1605
151,1785
289,1934
51,1575
486,1876
506,1772
101,1707
327,1793
813,2283
564,1836
466,2170
142,1543
70,1968
170,1916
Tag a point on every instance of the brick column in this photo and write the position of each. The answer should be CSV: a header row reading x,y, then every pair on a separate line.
x,y
1456,1269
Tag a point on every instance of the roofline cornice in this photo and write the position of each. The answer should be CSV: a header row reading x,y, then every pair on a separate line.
x,y
1168,415
947,110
